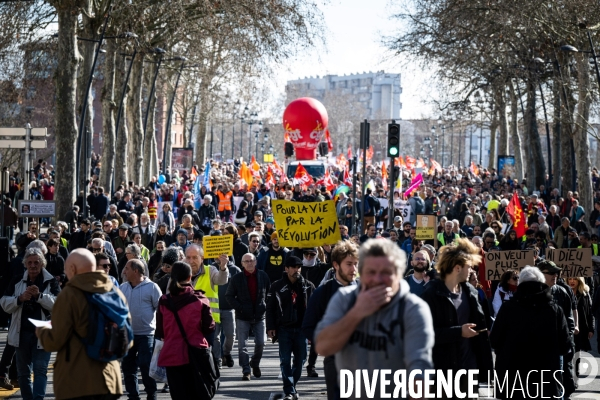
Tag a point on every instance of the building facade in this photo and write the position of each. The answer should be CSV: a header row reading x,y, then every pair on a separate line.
x,y
377,92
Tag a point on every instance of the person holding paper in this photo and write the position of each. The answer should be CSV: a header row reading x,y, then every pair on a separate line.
x,y
31,295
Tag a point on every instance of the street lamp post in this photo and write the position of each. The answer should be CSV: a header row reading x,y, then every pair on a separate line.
x,y
225,104
212,139
452,141
235,113
443,135
435,136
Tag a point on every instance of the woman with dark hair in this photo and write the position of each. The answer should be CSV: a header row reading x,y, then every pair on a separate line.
x,y
506,288
510,241
183,312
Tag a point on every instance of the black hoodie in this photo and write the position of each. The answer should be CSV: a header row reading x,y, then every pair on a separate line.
x,y
530,334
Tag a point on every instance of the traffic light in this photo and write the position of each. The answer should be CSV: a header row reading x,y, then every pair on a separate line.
x,y
288,149
323,149
393,140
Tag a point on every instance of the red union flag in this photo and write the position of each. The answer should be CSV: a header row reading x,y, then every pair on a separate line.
x,y
326,181
515,211
302,177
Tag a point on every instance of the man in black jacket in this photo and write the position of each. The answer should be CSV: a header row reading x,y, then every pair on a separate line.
x,y
285,312
272,260
344,258
247,295
461,339
79,239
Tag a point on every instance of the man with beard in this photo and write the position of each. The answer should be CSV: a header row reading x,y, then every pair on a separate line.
x,y
162,235
156,258
416,280
286,309
272,260
380,311
207,213
344,259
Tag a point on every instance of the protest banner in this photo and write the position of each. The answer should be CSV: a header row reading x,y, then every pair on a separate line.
x,y
497,262
426,225
214,246
574,262
36,208
306,224
404,208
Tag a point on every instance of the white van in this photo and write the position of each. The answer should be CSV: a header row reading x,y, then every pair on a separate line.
x,y
315,168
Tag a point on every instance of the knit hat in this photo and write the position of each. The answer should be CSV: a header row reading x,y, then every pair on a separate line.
x,y
182,231
274,235
293,261
270,220
170,255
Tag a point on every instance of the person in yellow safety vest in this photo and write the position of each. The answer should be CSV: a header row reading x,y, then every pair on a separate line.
x,y
586,242
145,253
447,236
225,202
207,278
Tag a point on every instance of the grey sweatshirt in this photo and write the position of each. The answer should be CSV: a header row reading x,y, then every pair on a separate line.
x,y
376,342
143,302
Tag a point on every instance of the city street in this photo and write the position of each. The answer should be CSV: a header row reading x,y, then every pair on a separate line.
x,y
268,387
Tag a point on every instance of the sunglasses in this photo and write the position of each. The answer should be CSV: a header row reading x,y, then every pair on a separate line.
x,y
310,254
254,241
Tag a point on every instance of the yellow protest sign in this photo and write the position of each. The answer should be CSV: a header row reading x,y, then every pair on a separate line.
x,y
214,246
306,224
426,225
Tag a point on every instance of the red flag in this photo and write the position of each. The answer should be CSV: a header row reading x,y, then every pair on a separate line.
x,y
420,163
349,152
370,153
326,181
515,211
436,165
302,176
269,179
347,178
277,168
410,162
328,139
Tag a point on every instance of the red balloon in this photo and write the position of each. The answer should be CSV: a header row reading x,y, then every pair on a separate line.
x,y
305,121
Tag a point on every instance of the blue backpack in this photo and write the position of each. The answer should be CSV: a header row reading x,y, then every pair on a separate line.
x,y
109,331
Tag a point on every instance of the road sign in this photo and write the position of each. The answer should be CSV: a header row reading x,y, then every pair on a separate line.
x,y
22,132
20,144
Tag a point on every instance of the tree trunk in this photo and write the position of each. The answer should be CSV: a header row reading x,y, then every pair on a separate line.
x,y
580,136
503,121
203,111
493,129
121,164
88,51
108,117
514,132
65,115
136,156
150,130
536,163
556,137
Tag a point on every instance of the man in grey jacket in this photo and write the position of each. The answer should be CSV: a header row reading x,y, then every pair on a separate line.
x,y
142,297
378,324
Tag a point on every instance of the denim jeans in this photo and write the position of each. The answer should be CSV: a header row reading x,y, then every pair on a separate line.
x,y
29,358
291,342
227,329
243,331
140,356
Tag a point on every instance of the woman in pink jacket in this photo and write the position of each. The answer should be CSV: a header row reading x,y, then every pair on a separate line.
x,y
193,309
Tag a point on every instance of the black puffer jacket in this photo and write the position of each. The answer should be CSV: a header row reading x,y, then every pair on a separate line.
x,y
448,333
238,296
530,334
280,308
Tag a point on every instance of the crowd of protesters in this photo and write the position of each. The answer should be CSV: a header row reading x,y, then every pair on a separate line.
x,y
148,240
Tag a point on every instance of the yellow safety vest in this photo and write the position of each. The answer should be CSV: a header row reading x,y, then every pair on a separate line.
x,y
203,283
594,248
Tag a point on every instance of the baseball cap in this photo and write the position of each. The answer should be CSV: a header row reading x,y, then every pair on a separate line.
x,y
398,219
310,250
124,227
292,261
258,213
549,267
